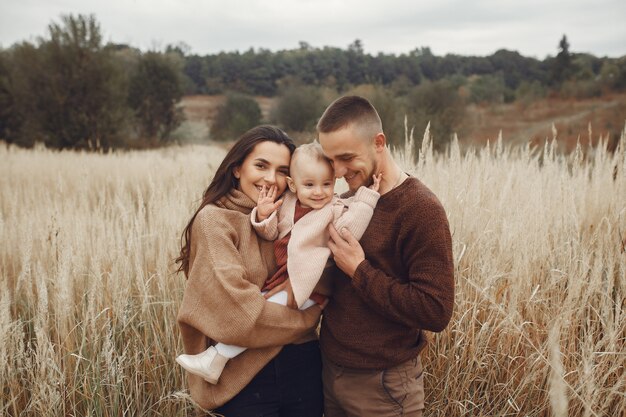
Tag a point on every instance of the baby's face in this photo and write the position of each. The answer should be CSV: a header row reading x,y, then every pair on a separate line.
x,y
313,182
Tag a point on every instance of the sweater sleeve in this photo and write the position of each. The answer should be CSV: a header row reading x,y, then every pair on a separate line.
x,y
356,212
221,304
425,299
268,228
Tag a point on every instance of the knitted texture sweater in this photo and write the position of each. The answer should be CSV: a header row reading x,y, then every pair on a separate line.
x,y
404,285
280,253
308,252
222,301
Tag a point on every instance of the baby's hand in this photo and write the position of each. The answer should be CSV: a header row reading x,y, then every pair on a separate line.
x,y
376,185
266,205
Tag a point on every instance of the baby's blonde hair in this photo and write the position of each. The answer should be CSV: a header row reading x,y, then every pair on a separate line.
x,y
312,150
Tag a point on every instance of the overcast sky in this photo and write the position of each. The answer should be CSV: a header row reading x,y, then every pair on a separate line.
x,y
465,27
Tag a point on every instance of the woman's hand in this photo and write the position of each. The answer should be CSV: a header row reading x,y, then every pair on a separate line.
x,y
266,205
376,184
285,286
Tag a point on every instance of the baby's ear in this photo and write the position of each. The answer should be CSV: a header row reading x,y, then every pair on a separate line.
x,y
291,184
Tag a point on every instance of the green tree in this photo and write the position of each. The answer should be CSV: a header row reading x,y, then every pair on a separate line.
x,y
10,118
69,89
438,103
194,70
514,68
489,89
18,98
259,75
238,114
427,62
388,108
562,68
620,79
613,74
528,92
298,108
154,89
358,63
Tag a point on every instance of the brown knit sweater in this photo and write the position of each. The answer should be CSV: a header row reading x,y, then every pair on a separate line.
x,y
222,300
404,285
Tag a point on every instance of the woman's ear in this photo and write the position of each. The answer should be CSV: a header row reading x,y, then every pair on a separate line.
x,y
237,172
291,185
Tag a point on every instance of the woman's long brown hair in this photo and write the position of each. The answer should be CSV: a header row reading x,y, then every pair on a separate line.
x,y
224,179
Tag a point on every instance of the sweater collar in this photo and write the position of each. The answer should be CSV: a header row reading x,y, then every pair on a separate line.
x,y
397,194
236,200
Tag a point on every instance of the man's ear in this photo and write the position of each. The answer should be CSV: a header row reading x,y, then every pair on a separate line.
x,y
291,185
380,141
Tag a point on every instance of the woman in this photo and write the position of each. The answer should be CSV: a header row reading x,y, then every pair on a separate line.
x,y
226,264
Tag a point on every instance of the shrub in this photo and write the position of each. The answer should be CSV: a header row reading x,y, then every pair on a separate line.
x,y
238,114
298,108
154,89
438,103
489,89
388,108
527,92
580,89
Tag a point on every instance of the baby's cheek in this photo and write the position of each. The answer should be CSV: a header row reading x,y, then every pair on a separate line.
x,y
282,186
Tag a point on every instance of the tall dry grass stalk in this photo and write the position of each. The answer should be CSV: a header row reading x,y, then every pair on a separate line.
x,y
88,298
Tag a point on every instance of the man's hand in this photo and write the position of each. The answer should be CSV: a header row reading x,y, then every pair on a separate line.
x,y
346,250
376,184
265,205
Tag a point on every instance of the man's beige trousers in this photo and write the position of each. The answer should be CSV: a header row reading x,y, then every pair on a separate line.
x,y
397,391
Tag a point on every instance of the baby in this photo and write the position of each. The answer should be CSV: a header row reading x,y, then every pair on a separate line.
x,y
298,225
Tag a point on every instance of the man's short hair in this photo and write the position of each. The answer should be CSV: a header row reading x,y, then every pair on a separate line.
x,y
348,110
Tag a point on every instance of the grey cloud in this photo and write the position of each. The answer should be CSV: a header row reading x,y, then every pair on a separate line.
x,y
466,27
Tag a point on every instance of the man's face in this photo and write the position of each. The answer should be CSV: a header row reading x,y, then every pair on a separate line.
x,y
353,157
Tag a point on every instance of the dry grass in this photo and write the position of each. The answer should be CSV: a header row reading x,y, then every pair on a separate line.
x,y
522,122
88,300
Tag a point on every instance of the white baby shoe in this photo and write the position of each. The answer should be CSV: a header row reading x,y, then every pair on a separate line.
x,y
207,365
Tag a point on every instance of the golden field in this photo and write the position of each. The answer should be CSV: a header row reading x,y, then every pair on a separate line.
x,y
88,296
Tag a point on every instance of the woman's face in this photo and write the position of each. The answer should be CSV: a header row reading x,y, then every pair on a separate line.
x,y
266,165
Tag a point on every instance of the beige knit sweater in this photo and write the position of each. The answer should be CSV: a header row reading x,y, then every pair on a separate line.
x,y
222,300
307,251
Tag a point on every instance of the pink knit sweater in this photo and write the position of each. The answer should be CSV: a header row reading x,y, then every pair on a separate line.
x,y
308,252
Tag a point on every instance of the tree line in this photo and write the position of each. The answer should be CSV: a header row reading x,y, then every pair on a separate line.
x,y
420,86
68,89
260,72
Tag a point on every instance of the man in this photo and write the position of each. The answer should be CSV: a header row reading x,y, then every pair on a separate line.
x,y
389,288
